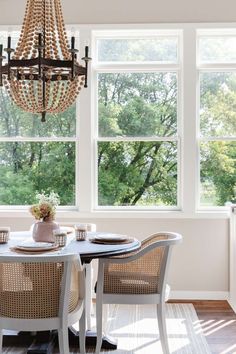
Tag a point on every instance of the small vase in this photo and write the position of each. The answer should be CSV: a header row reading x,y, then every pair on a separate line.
x,y
43,231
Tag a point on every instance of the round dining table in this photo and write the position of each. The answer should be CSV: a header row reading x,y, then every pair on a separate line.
x,y
88,250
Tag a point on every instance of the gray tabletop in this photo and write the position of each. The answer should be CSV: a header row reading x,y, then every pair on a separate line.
x,y
86,249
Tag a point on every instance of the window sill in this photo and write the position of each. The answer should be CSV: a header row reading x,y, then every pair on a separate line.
x,y
127,214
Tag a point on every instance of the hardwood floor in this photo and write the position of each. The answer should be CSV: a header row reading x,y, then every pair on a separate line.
x,y
218,322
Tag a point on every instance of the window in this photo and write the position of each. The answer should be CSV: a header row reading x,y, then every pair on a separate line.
x,y
154,131
137,114
217,81
35,156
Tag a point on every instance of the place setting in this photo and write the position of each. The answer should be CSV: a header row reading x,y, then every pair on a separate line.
x,y
110,239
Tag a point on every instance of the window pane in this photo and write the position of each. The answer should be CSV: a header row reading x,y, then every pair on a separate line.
x,y
137,104
138,50
218,173
16,122
218,104
220,49
137,173
30,167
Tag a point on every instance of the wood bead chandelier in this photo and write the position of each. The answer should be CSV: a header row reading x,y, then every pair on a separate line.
x,y
42,75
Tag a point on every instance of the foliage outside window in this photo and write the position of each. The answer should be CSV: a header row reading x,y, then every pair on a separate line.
x,y
35,156
137,145
217,120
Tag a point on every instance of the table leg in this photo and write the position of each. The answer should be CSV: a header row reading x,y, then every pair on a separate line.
x,y
91,339
44,343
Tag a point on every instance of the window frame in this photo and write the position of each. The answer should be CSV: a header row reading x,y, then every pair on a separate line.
x,y
138,67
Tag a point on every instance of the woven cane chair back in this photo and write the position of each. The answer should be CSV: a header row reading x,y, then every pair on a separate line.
x,y
42,292
31,290
141,275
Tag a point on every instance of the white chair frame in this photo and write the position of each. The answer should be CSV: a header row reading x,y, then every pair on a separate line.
x,y
89,278
64,319
158,298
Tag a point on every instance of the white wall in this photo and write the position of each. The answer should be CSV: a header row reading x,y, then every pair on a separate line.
x,y
200,264
132,11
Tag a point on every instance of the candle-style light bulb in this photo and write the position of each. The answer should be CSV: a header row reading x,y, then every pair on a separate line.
x,y
72,42
9,42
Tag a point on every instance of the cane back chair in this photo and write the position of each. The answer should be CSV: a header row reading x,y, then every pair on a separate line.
x,y
137,278
42,292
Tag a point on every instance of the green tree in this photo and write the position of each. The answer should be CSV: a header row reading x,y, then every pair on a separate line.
x,y
218,118
137,105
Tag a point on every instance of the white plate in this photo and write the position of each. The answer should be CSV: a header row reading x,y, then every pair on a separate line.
x,y
110,238
36,246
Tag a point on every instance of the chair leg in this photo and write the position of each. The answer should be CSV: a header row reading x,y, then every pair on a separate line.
x,y
162,327
105,310
63,341
1,341
99,325
82,333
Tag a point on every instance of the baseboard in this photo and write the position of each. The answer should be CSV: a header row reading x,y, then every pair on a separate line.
x,y
199,295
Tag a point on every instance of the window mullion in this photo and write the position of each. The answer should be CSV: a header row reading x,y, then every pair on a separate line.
x,y
84,155
190,148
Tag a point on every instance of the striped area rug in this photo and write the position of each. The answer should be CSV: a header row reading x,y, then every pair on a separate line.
x,y
136,330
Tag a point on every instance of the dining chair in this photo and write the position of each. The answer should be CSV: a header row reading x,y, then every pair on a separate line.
x,y
42,292
137,278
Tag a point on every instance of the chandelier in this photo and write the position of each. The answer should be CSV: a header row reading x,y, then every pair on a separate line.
x,y
42,75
